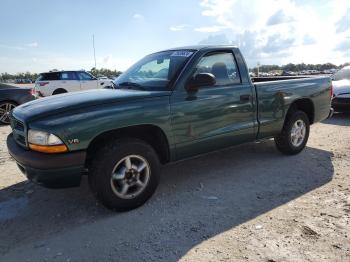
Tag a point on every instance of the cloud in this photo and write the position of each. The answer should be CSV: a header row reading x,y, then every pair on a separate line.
x,y
11,47
210,29
344,23
106,59
220,39
277,43
177,28
281,31
308,40
343,46
138,17
19,47
34,44
279,18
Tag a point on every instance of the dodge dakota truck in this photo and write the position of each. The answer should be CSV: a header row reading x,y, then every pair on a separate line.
x,y
169,106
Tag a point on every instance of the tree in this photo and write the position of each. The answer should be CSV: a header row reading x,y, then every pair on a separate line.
x,y
105,72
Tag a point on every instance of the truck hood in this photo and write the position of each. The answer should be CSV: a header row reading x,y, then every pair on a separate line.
x,y
341,87
72,101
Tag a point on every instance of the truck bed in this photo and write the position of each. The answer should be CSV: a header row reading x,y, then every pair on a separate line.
x,y
275,94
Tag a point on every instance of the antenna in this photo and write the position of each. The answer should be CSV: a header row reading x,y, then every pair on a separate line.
x,y
93,46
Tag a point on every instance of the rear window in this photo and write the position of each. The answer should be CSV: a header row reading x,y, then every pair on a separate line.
x,y
49,77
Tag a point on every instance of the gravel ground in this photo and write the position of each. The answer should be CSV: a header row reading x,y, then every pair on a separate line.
x,y
248,203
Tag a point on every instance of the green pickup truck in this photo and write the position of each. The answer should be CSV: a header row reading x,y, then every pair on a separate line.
x,y
169,106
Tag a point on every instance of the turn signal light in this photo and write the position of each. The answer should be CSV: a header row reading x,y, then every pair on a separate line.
x,y
49,149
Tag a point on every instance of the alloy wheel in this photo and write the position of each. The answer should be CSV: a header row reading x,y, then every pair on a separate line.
x,y
5,110
130,176
298,133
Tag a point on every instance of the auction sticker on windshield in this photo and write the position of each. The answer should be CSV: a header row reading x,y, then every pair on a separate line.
x,y
182,53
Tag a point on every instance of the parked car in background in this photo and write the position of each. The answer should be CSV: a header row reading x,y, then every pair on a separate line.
x,y
341,87
119,137
23,81
106,79
10,97
59,82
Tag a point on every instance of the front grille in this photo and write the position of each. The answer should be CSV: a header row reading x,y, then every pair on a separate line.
x,y
18,131
18,125
20,139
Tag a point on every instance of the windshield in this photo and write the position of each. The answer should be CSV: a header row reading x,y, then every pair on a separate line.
x,y
155,71
343,74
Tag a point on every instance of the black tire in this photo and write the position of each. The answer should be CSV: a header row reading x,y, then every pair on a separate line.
x,y
59,91
284,141
104,162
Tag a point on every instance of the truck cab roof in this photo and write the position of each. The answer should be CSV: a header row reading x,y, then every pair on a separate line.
x,y
203,47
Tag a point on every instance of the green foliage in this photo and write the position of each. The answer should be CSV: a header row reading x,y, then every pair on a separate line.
x,y
27,75
4,77
104,72
298,67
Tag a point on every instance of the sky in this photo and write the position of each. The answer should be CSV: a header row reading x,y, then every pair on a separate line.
x,y
38,36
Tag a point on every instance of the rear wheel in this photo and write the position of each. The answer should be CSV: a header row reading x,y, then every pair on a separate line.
x,y
59,91
294,136
124,174
5,110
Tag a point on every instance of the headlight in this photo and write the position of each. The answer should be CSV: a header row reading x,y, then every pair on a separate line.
x,y
43,138
45,142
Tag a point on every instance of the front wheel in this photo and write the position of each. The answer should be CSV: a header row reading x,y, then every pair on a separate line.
x,y
124,174
5,110
295,134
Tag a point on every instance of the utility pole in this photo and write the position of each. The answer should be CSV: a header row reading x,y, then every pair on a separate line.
x,y
93,46
258,65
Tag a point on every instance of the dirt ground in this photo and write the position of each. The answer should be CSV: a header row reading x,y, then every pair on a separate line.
x,y
248,203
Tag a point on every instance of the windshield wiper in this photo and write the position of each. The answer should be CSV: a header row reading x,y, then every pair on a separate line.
x,y
131,85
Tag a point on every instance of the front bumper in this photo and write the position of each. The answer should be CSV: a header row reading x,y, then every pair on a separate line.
x,y
50,170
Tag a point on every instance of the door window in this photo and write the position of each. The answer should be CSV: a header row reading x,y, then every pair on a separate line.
x,y
222,66
85,76
68,76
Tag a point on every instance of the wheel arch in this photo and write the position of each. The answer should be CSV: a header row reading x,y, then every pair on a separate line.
x,y
303,104
59,90
9,101
151,134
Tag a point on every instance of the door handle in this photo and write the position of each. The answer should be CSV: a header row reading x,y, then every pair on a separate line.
x,y
244,98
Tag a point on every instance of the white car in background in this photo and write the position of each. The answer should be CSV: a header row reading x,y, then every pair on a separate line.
x,y
59,82
341,89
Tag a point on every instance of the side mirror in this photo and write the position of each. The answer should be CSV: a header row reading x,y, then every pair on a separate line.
x,y
200,80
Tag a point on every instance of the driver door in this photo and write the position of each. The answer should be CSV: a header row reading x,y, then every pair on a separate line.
x,y
87,81
216,116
